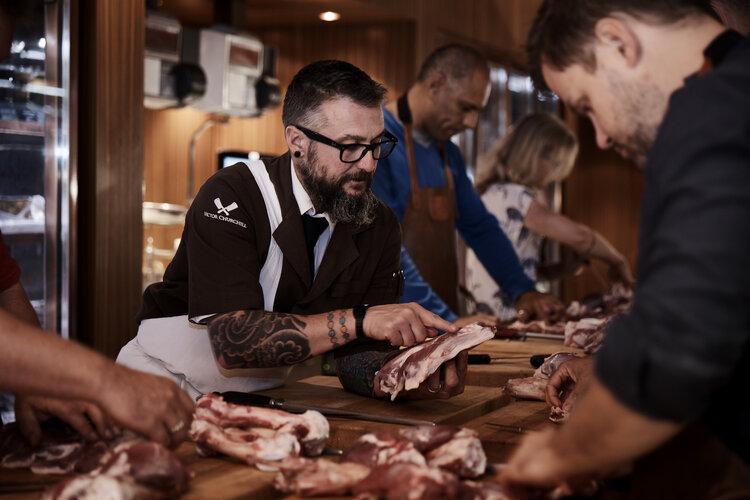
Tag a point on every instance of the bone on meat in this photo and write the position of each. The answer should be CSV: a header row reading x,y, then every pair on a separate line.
x,y
311,428
527,388
552,363
252,446
413,366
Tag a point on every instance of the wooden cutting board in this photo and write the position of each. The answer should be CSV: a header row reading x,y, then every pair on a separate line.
x,y
327,391
515,362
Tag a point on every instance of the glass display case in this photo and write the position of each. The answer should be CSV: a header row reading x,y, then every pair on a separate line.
x,y
37,191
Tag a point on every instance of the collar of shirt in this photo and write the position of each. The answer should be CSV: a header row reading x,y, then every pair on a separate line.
x,y
304,202
420,137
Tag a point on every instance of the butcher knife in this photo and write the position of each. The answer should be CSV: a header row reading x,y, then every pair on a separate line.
x,y
485,359
252,399
511,334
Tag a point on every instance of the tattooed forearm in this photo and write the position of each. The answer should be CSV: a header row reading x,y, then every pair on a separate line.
x,y
258,339
357,369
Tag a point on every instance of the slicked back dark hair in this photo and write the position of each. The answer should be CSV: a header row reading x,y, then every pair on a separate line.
x,y
457,61
322,81
562,31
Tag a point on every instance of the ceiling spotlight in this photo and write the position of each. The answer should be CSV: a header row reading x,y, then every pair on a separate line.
x,y
329,16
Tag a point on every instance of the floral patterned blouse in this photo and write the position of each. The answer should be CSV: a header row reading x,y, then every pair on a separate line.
x,y
509,203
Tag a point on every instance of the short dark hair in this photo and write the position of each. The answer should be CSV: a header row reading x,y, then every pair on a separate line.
x,y
563,29
322,81
455,60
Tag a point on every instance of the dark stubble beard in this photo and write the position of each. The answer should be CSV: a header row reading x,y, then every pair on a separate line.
x,y
330,196
642,108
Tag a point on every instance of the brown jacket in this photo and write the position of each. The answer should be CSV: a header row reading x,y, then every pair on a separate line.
x,y
218,263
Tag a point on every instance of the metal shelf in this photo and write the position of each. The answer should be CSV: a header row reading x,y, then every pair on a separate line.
x,y
11,226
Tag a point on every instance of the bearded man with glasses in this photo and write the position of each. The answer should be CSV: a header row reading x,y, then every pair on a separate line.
x,y
292,257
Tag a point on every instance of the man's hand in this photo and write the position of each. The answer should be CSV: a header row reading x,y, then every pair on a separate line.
x,y
535,467
149,405
601,437
403,324
538,305
86,418
568,381
445,383
484,319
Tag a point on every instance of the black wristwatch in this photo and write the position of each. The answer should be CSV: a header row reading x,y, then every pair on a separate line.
x,y
359,318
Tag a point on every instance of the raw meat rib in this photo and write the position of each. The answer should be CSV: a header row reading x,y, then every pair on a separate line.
x,y
252,446
311,428
527,388
133,470
579,333
371,450
61,450
305,477
451,448
408,481
552,363
463,455
413,366
391,374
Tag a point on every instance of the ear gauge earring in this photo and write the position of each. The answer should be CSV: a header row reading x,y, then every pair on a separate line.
x,y
297,154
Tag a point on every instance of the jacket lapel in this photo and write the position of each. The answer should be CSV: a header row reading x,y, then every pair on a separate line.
x,y
340,254
289,235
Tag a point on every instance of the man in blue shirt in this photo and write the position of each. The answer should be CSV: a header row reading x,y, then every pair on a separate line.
x,y
424,182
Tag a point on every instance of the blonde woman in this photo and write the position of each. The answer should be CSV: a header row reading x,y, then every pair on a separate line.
x,y
511,179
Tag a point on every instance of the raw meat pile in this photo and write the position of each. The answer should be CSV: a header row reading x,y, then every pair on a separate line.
x,y
257,436
124,468
415,462
584,324
415,364
534,387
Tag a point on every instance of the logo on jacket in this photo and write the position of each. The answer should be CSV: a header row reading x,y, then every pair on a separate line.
x,y
222,213
222,209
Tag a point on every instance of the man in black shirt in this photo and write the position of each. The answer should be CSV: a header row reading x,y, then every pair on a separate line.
x,y
666,86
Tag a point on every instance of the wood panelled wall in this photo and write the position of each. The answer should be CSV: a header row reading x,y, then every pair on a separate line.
x,y
385,51
110,174
498,27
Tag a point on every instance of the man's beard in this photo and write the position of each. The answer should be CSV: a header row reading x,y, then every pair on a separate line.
x,y
330,196
641,110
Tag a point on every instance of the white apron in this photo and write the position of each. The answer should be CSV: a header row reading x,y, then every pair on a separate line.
x,y
180,350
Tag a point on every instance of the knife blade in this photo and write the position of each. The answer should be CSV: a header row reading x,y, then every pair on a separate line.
x,y
512,334
252,399
486,359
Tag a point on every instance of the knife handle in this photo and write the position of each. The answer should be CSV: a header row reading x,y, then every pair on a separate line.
x,y
480,359
537,360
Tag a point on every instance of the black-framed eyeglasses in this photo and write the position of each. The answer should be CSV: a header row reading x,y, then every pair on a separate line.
x,y
353,152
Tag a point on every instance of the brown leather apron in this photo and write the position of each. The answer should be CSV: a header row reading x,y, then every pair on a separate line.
x,y
428,230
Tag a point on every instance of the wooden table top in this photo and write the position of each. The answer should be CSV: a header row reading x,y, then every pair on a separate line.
x,y
482,406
